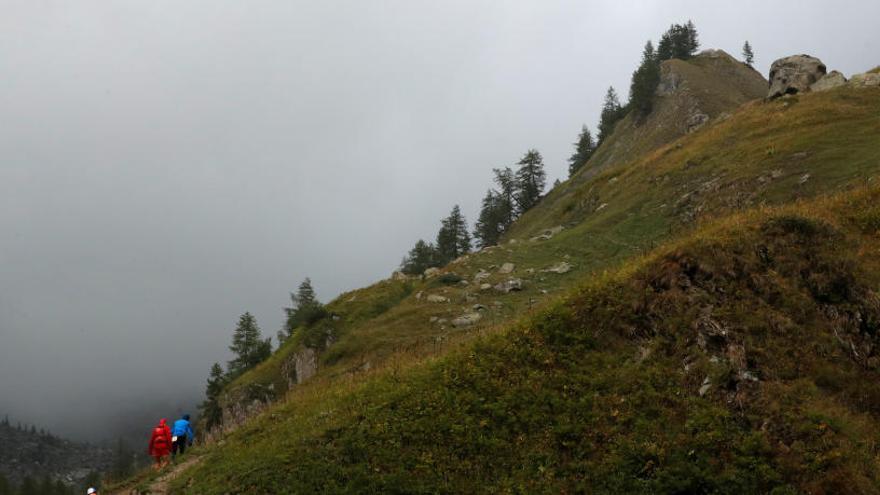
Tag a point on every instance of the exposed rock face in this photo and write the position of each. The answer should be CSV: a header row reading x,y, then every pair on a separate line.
x,y
399,276
306,364
794,74
432,272
510,285
829,81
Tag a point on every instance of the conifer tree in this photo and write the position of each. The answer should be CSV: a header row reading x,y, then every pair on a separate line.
x,y
248,346
644,81
305,309
612,112
680,41
488,230
748,54
421,257
530,180
506,205
210,408
583,150
453,239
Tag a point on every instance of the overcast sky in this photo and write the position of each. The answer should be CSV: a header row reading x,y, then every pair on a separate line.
x,y
168,165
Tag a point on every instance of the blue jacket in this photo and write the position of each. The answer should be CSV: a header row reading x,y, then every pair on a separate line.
x,y
182,427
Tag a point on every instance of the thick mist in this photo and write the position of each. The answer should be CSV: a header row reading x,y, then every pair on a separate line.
x,y
166,166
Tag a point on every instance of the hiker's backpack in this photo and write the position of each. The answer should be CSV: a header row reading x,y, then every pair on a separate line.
x,y
159,434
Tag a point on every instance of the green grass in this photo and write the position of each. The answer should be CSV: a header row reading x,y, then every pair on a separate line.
x,y
591,393
547,393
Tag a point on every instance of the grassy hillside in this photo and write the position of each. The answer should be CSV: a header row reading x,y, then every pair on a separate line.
x,y
740,359
712,85
600,383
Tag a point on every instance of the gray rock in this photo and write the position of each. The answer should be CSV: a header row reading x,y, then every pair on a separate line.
x,y
478,307
794,74
432,272
433,319
399,276
829,81
561,267
867,79
466,320
705,386
507,268
436,298
485,286
510,285
481,275
419,296
696,121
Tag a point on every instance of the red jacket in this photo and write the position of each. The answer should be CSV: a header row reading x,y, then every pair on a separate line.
x,y
160,441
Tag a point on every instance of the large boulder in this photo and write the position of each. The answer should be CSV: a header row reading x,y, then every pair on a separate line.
x,y
829,81
794,74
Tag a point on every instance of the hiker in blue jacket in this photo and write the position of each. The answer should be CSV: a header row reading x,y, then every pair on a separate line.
x,y
181,435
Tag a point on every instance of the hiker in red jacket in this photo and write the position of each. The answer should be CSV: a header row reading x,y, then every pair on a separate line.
x,y
160,444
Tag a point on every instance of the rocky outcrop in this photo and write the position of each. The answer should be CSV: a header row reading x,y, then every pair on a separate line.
x,y
507,268
510,285
436,298
829,81
868,79
794,74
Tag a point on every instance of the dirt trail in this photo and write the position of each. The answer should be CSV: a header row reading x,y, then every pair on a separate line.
x,y
160,485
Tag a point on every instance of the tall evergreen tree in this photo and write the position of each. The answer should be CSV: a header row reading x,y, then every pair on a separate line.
x,y
421,257
530,180
748,54
488,229
612,112
583,150
248,346
505,178
210,408
453,239
644,81
305,308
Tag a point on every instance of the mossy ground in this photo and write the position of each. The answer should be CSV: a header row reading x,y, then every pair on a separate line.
x,y
577,383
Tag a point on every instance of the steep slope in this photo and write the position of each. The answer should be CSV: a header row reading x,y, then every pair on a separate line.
x,y
741,359
691,94
765,153
368,360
